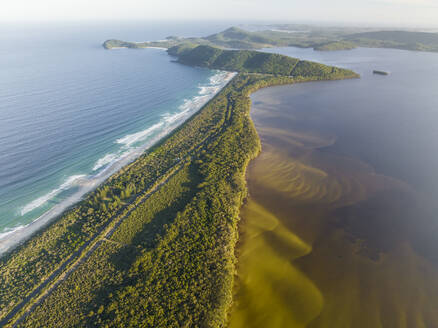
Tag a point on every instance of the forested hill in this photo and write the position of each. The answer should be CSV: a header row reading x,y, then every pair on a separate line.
x,y
420,41
323,39
255,62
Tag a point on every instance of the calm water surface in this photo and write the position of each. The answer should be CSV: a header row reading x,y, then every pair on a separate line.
x,y
341,229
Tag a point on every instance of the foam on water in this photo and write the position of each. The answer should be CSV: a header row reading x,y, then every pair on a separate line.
x,y
206,92
8,231
131,139
189,106
107,159
70,182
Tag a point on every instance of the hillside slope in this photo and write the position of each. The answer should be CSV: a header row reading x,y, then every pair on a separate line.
x,y
420,41
250,61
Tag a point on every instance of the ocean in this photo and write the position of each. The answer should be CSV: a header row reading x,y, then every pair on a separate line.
x,y
72,113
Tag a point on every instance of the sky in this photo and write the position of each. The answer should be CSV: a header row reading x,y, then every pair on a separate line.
x,y
415,13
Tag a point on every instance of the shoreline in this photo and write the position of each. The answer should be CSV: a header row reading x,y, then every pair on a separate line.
x,y
255,271
10,240
226,117
244,221
196,215
119,48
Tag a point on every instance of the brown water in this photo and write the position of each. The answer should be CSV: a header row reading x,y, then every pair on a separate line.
x,y
341,226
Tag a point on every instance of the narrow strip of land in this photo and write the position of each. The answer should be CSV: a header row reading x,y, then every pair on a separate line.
x,y
47,286
179,271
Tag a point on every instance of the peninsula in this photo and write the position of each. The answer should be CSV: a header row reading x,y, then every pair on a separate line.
x,y
154,245
312,37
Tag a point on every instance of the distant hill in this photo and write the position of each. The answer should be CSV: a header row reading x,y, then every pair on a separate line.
x,y
335,45
323,39
237,38
114,44
398,36
421,41
251,61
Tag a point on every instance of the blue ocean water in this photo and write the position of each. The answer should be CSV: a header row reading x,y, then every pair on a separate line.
x,y
71,112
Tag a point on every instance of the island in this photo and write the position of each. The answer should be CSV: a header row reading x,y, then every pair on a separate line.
x,y
154,246
380,72
327,39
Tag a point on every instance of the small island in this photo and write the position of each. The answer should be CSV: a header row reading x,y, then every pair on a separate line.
x,y
380,72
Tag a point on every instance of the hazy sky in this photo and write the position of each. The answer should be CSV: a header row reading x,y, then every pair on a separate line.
x,y
381,12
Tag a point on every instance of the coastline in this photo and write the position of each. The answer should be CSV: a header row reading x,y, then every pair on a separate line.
x,y
197,220
247,212
229,237
254,221
118,48
247,229
9,240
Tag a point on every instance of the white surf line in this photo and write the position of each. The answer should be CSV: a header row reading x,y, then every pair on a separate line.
x,y
81,255
16,236
71,181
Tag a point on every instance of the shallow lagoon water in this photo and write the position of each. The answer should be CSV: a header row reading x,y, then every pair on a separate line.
x,y
341,227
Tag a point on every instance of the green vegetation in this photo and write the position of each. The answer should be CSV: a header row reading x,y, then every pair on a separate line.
x,y
419,41
235,60
232,38
237,38
154,246
114,44
255,62
335,45
241,39
321,39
